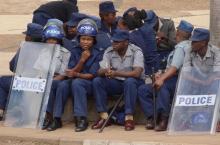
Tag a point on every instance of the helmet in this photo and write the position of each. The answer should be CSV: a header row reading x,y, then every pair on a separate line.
x,y
53,31
56,22
87,27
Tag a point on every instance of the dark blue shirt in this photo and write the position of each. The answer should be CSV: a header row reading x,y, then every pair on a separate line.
x,y
105,29
103,41
92,64
145,38
70,44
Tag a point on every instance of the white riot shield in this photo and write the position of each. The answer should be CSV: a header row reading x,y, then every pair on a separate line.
x,y
31,85
196,102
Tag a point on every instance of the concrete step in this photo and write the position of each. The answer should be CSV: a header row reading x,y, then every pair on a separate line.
x,y
113,135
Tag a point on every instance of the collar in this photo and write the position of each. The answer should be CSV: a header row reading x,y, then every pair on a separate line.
x,y
127,54
160,25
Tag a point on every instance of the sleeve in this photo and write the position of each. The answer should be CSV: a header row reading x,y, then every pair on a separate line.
x,y
105,62
138,59
95,67
187,63
13,61
65,56
73,60
178,57
172,34
216,67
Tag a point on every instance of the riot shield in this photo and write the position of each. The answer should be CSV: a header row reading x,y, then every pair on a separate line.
x,y
196,102
31,84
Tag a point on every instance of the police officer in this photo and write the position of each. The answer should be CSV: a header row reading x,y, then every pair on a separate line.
x,y
53,34
82,68
205,58
121,72
165,83
61,10
165,35
70,41
142,35
34,34
165,30
107,14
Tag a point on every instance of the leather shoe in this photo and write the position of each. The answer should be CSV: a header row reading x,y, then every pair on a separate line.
x,y
46,123
55,125
150,123
81,124
129,125
162,125
99,123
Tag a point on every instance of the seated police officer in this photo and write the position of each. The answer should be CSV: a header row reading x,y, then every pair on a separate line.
x,y
34,34
121,72
203,56
165,83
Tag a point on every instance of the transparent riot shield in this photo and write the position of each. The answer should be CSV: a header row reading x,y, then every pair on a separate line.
x,y
31,84
196,102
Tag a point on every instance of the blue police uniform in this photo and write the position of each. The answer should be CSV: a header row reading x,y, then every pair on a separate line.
x,y
73,22
103,86
107,7
78,88
34,31
166,92
144,37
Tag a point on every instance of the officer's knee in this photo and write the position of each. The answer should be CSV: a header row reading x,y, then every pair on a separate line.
x,y
77,82
144,89
130,81
63,85
97,81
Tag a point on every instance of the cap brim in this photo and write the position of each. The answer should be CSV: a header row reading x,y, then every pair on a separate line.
x,y
118,39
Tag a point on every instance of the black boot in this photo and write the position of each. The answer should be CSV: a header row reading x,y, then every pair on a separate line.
x,y
55,124
81,124
47,121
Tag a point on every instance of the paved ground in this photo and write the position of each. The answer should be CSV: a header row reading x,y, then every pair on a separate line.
x,y
111,134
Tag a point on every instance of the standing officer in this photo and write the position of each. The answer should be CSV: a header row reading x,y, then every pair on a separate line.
x,y
61,10
34,34
121,72
165,83
107,14
142,35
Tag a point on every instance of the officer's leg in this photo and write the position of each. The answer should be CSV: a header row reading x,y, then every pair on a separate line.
x,y
130,95
81,88
164,98
5,83
145,93
102,87
62,94
53,89
165,95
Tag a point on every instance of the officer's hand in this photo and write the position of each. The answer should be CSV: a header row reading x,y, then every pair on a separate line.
x,y
110,73
158,83
85,55
161,35
71,73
